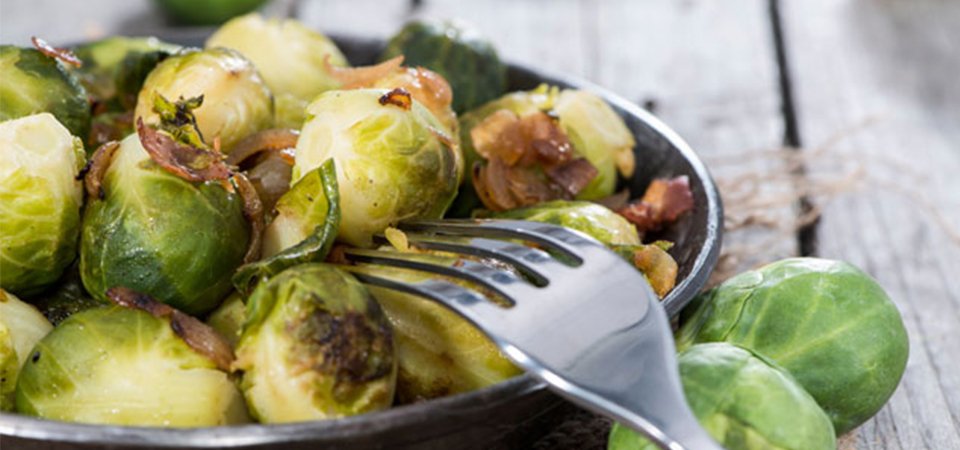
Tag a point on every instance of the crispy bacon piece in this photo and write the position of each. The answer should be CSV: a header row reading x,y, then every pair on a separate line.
x,y
196,334
96,167
549,143
184,161
357,77
572,176
63,54
397,97
663,202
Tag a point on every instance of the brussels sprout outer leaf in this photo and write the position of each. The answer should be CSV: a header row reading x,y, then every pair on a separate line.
x,y
315,345
114,68
40,202
313,202
828,323
34,83
459,55
115,365
744,401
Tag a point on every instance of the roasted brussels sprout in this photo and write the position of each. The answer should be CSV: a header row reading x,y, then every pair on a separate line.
x,y
115,67
122,366
148,229
439,353
40,201
34,83
392,158
828,323
610,228
291,58
303,229
236,102
315,346
21,326
744,401
517,133
596,220
457,53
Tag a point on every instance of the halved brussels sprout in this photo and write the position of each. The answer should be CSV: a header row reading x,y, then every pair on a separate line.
x,y
456,52
315,346
393,161
40,201
595,131
745,401
827,322
291,58
176,240
34,83
236,102
21,326
303,230
120,366
439,353
109,65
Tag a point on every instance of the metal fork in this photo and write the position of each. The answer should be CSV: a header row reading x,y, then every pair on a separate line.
x,y
580,318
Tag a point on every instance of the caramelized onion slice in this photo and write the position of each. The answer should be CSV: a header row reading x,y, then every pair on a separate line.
x,y
272,140
196,334
96,167
63,54
572,176
184,161
253,212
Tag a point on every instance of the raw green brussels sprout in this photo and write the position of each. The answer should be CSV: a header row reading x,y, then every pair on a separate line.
x,y
35,83
393,161
744,401
21,326
828,323
595,130
439,353
115,67
303,230
467,60
236,102
291,58
156,233
120,366
315,346
595,220
40,201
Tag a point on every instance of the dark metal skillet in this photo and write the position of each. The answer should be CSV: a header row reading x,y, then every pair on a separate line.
x,y
511,414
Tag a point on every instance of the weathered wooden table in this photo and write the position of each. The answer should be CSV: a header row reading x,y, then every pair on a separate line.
x,y
833,127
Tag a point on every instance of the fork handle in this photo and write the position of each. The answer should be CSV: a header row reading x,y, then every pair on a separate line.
x,y
650,400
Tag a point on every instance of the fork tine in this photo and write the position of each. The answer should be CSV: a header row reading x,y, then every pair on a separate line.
x,y
483,313
553,237
501,282
536,264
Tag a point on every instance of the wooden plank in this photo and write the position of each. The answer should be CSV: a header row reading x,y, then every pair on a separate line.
x,y
894,63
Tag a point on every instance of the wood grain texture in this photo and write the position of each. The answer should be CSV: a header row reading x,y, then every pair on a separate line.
x,y
882,75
